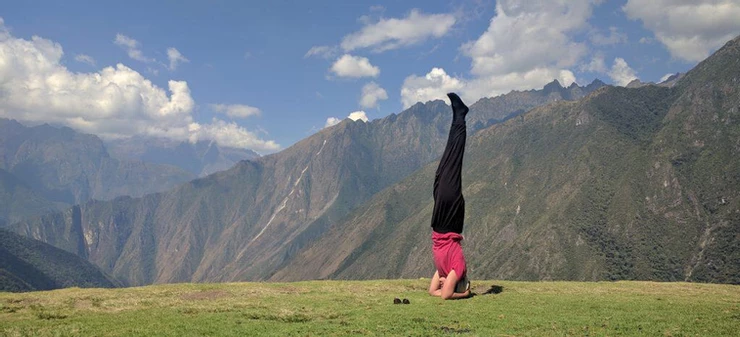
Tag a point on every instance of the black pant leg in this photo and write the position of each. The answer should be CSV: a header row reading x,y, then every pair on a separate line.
x,y
449,204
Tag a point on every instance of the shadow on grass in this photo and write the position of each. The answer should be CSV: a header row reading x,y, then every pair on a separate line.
x,y
495,289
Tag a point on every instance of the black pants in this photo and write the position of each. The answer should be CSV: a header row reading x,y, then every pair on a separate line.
x,y
449,204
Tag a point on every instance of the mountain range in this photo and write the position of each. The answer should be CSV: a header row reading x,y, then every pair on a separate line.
x,y
577,183
200,158
45,168
246,222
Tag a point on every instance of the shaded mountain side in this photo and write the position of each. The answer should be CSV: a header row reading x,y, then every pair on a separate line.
x,y
201,158
18,201
488,111
626,184
704,139
61,166
29,265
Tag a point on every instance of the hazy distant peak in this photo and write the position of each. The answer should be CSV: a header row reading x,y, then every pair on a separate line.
x,y
636,83
596,82
671,80
554,85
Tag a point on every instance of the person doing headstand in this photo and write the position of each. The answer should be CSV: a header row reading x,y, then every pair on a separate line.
x,y
450,280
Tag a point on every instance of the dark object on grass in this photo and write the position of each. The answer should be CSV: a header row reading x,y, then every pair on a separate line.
x,y
494,290
396,300
447,329
406,301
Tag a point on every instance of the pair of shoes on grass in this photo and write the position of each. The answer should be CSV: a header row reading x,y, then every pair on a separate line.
x,y
398,301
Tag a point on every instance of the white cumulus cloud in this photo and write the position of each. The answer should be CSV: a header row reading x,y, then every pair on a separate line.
x,y
358,115
621,73
236,110
372,93
526,35
354,66
115,102
432,86
690,30
175,58
387,34
526,45
230,134
132,47
536,78
331,121
355,116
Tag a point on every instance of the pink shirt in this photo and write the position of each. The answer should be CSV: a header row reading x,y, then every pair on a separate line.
x,y
448,254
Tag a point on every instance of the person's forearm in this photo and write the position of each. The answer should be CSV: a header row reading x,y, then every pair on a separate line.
x,y
456,296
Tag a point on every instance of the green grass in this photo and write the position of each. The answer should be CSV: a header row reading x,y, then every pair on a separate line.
x,y
337,308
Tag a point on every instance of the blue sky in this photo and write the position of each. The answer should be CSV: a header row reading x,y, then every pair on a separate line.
x,y
265,74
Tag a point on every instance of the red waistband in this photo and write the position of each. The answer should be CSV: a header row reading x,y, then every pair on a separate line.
x,y
440,238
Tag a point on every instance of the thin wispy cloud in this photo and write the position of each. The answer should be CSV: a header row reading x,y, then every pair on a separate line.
x,y
175,58
132,47
394,33
322,51
236,110
87,59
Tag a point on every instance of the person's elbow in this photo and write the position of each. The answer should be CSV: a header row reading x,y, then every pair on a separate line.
x,y
447,295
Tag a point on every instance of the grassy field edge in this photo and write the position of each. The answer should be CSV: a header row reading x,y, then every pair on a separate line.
x,y
335,308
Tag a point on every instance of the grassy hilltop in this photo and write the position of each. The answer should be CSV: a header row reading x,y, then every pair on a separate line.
x,y
334,308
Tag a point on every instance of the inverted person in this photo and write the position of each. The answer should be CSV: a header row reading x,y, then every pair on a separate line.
x,y
450,280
